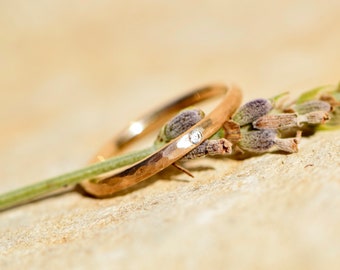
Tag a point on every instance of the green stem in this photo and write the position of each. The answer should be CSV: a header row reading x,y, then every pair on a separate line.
x,y
35,191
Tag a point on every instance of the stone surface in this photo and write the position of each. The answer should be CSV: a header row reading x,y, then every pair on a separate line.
x,y
73,73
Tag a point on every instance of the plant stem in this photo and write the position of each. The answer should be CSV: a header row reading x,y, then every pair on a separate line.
x,y
35,191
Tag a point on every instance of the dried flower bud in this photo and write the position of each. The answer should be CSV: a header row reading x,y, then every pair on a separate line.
x,y
311,106
314,118
252,110
219,147
258,141
290,120
277,121
210,148
289,145
180,123
261,141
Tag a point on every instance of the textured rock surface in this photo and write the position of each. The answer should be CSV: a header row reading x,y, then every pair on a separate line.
x,y
72,74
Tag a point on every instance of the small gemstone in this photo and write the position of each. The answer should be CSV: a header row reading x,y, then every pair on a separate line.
x,y
195,136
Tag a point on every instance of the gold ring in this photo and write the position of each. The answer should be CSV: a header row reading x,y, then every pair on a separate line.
x,y
172,151
155,120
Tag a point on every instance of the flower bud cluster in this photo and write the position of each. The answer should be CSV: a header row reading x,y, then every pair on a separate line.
x,y
261,125
266,132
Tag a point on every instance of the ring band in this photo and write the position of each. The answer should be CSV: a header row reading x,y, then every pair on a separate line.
x,y
175,149
155,120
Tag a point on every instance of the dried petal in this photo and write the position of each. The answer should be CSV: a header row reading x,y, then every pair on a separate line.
x,y
277,121
289,145
232,131
252,110
314,118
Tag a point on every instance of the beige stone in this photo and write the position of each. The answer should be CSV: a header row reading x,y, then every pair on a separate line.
x,y
74,73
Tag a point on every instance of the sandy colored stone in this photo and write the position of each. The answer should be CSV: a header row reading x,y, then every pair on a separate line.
x,y
74,73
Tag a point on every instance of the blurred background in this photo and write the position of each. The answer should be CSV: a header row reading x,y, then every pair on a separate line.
x,y
74,72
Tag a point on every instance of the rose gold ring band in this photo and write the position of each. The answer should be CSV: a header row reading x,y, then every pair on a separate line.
x,y
175,149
